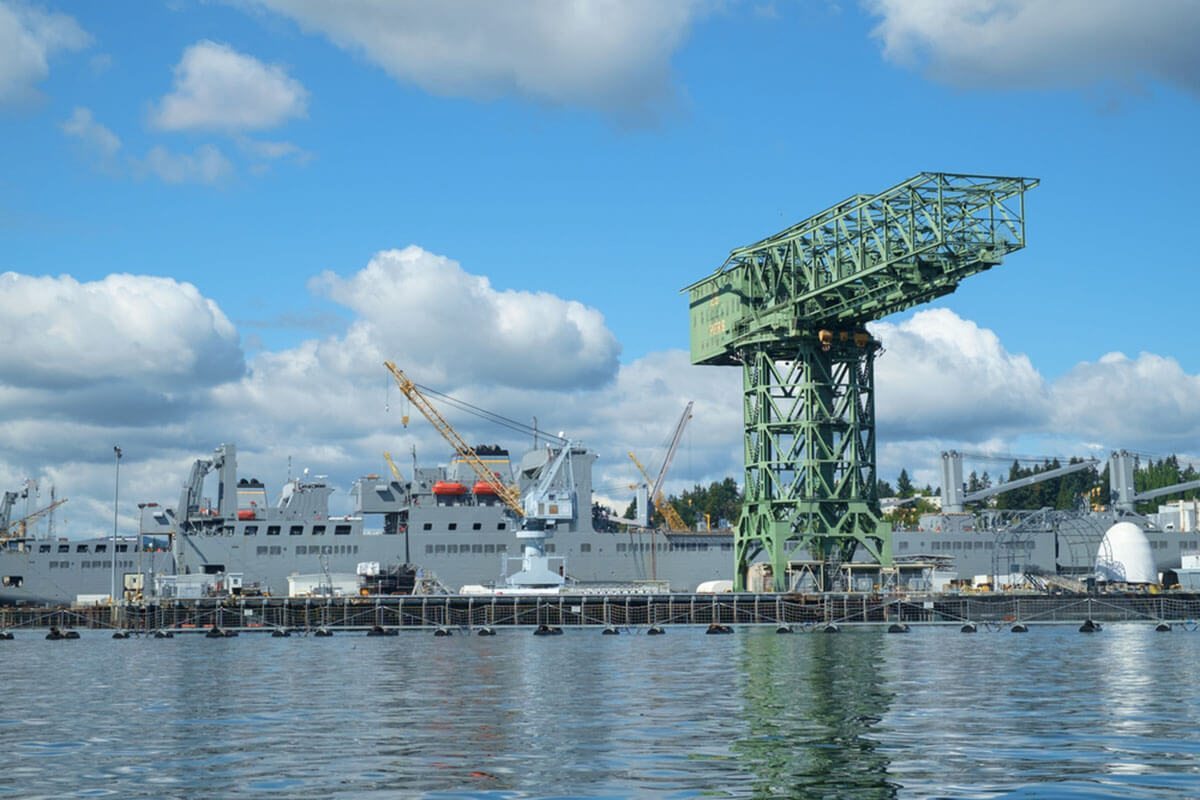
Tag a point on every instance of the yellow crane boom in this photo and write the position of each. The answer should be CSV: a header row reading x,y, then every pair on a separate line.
x,y
392,466
674,521
508,494
17,529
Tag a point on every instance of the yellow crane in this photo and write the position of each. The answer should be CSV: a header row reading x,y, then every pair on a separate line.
x,y
18,529
508,494
674,521
392,466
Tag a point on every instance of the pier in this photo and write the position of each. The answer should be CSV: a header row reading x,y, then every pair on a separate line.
x,y
796,611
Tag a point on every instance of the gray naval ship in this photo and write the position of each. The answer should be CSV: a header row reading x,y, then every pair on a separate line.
x,y
442,525
452,531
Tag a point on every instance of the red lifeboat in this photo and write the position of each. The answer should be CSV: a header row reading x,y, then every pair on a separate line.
x,y
482,487
246,513
448,488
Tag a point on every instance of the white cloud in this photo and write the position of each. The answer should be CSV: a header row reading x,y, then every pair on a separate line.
x,y
207,164
945,376
431,314
218,88
28,38
142,332
94,136
1147,402
1033,43
612,55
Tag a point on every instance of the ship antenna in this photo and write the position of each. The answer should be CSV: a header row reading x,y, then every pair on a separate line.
x,y
289,468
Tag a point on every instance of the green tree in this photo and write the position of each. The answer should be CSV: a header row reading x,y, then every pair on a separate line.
x,y
904,485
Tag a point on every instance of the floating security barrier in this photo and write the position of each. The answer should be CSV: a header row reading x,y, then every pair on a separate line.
x,y
280,633
323,631
119,634
655,630
717,627
1020,627
442,631
379,630
1090,626
784,629
968,627
609,630
1162,627
163,634
547,630
831,628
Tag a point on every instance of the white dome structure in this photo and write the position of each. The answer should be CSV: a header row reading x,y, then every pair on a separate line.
x,y
1125,556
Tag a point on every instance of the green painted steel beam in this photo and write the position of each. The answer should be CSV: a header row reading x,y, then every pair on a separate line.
x,y
861,260
792,309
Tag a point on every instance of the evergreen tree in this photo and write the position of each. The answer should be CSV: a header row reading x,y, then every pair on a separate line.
x,y
904,485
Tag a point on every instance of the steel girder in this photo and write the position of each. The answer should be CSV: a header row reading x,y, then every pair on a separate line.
x,y
774,306
810,458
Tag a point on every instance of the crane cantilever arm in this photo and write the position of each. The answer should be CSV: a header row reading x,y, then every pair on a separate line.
x,y
506,493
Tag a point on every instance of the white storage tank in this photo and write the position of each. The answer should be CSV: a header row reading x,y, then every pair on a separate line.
x,y
1125,556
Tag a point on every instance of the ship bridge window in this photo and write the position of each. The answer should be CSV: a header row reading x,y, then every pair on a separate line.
x,y
227,530
296,530
101,548
489,548
43,548
428,548
476,548
272,530
477,526
341,530
451,548
261,550
501,548
501,526
214,569
122,548
453,526
903,545
64,548
428,526
318,530
250,530
586,547
300,550
439,548
276,550
81,548
13,581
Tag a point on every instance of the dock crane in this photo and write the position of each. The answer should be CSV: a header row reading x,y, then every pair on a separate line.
x,y
674,522
792,312
507,494
18,529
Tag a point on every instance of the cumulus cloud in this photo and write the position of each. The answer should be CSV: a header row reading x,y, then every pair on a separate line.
x,y
1148,402
218,88
206,164
612,55
1031,43
429,312
942,375
83,127
28,38
146,331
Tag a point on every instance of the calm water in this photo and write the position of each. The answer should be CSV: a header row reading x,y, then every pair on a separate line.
x,y
862,714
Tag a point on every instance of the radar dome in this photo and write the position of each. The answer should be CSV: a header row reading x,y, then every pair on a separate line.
x,y
1125,556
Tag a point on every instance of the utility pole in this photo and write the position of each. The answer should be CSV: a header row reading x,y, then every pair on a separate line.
x,y
116,499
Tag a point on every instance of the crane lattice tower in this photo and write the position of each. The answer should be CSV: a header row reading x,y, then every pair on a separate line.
x,y
792,310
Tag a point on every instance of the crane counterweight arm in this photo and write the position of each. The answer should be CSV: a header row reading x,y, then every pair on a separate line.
x,y
510,496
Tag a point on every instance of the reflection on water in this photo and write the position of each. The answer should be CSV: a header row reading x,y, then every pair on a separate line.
x,y
861,714
811,700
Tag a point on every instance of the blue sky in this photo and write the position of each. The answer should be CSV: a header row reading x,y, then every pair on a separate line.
x,y
589,158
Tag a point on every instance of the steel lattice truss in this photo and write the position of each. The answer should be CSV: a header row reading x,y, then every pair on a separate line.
x,y
791,309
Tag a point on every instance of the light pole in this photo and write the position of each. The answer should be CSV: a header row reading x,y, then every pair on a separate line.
x,y
116,497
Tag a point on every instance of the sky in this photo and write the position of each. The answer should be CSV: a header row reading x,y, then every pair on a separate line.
x,y
218,219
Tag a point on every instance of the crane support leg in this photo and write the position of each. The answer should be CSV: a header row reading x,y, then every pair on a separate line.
x,y
810,457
